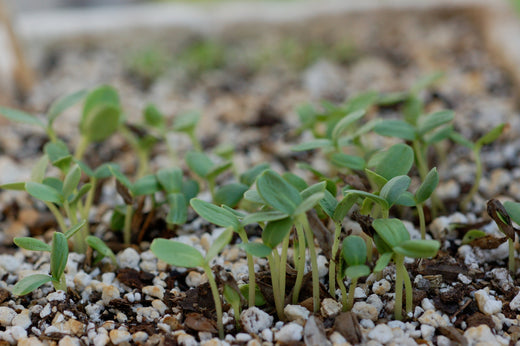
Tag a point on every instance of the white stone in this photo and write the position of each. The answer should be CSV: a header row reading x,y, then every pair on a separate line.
x,y
139,337
69,341
381,287
118,336
433,318
267,335
296,313
376,302
515,302
186,340
154,291
23,319
427,304
101,337
148,313
289,332
337,339
108,278
359,293
129,258
323,268
10,263
464,279
56,296
6,316
381,333
486,303
159,306
427,332
443,341
109,292
255,320
195,279
330,307
365,311
480,335
368,324
18,332
243,337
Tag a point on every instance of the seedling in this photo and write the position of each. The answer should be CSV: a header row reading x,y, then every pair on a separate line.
x,y
393,242
182,255
476,147
59,250
499,214
205,168
178,193
354,252
101,248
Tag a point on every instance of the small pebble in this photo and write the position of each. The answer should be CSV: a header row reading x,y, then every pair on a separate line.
x,y
381,333
255,320
6,316
296,313
195,279
139,337
109,292
486,303
154,291
128,258
119,336
365,311
381,287
330,307
427,332
289,333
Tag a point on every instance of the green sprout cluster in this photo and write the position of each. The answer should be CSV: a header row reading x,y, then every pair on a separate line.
x,y
285,206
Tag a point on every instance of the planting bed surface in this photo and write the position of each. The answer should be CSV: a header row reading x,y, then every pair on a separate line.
x,y
464,295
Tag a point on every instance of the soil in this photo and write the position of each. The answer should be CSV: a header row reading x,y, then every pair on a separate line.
x,y
252,106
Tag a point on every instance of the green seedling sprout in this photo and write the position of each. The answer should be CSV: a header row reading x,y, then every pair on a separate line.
x,y
206,169
187,123
59,250
178,193
476,147
354,252
234,299
182,255
290,208
499,214
101,248
147,185
393,242
424,192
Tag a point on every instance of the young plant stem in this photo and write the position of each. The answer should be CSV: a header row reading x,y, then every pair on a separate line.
x,y
61,284
81,148
273,265
251,270
142,154
127,230
420,159
511,262
300,268
385,213
408,291
343,289
80,245
476,184
216,299
195,141
351,289
332,265
422,221
57,215
283,266
314,264
399,278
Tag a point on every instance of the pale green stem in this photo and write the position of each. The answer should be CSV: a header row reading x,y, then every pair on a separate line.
x,y
399,274
211,186
511,263
142,154
422,221
81,148
332,265
60,285
283,267
314,264
370,248
351,291
344,298
80,245
476,184
421,161
251,269
385,213
300,269
216,299
408,291
195,141
273,265
127,230
57,215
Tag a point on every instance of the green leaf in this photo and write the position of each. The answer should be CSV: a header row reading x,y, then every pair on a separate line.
x,y
383,261
53,182
116,172
32,244
361,101
256,249
348,161
392,231
176,253
328,203
426,82
375,179
82,191
412,109
38,170
219,243
390,99
275,231
299,183
314,144
146,185
249,176
406,199
190,189
278,193
354,250
61,104
428,186
59,255
421,248
117,220
458,138
491,136
14,186
199,163
21,117
102,95
178,212
263,216
513,210
439,135
101,122
253,196
102,248
30,283
153,116
170,179
217,170
357,271
375,198
346,122
215,214
395,128
259,298
344,207
230,194
313,189
472,235
397,160
71,181
74,229
59,154
186,122
309,203
44,192
433,120
395,188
